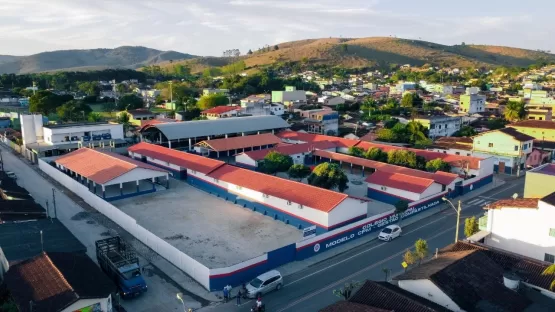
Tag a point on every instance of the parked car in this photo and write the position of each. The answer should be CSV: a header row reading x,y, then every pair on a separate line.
x,y
11,174
390,232
264,283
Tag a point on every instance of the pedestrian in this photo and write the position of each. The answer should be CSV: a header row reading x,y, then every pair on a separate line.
x,y
226,294
239,297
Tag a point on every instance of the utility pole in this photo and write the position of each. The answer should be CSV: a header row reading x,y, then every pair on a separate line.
x,y
54,202
41,242
458,222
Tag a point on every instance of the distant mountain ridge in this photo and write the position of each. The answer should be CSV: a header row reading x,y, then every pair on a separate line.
x,y
121,57
366,52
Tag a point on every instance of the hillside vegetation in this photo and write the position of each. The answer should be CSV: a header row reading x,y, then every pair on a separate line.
x,y
96,59
365,52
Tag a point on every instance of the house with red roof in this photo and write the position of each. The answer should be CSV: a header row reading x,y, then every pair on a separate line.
x,y
111,176
220,112
233,145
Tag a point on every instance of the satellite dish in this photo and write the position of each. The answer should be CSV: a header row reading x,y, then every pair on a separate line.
x,y
515,195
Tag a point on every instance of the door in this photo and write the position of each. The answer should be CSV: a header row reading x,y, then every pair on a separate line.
x,y
501,167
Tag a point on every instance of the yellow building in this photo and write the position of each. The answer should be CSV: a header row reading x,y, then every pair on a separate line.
x,y
541,130
540,181
539,112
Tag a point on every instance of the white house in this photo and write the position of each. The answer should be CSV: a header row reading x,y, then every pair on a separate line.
x,y
439,126
472,102
525,226
331,100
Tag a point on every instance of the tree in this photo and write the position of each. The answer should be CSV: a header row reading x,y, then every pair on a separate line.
x,y
275,162
417,132
130,101
466,131
95,117
356,151
73,110
407,101
328,176
515,111
387,135
550,270
250,52
400,207
89,87
438,165
402,158
276,47
123,118
212,100
497,123
376,154
347,290
409,258
121,88
46,102
299,171
421,249
471,226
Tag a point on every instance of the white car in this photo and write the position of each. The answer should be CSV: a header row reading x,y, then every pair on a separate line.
x,y
390,232
264,283
12,175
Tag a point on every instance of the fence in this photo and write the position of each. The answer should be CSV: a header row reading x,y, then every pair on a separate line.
x,y
185,263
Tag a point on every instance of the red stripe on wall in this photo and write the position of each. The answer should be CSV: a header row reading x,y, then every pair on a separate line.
x,y
237,271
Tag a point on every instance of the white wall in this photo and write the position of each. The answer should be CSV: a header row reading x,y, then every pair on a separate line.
x,y
158,162
196,270
428,290
57,135
312,215
87,302
137,175
28,129
348,209
244,159
524,231
394,191
503,144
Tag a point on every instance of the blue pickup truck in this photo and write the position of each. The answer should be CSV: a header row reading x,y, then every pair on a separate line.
x,y
120,262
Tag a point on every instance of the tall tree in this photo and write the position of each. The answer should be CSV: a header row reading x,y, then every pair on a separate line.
x,y
409,258
376,154
275,162
417,131
407,101
329,176
212,100
471,226
73,110
515,111
421,249
438,165
356,151
299,171
130,101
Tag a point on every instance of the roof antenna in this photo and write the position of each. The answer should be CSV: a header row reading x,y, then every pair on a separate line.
x,y
515,195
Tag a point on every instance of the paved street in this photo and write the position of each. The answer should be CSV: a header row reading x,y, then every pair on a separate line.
x,y
87,228
311,289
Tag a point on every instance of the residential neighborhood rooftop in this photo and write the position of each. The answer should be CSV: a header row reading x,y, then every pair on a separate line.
x,y
220,109
531,203
540,124
519,136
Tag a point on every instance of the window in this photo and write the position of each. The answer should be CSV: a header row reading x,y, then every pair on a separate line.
x,y
384,188
288,203
216,180
516,147
467,154
265,196
239,187
193,172
439,127
300,206
541,118
457,153
552,232
490,145
549,258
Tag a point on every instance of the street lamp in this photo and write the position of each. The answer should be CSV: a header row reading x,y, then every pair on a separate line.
x,y
458,216
180,298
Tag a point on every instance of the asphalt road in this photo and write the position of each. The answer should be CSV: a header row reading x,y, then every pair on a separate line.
x,y
312,288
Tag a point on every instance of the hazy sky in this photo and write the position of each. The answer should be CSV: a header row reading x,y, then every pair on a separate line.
x,y
207,27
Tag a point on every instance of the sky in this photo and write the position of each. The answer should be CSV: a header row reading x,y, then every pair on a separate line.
x,y
208,27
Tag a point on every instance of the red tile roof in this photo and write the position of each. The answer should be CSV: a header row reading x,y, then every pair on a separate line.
x,y
439,177
453,160
290,149
234,143
220,109
514,203
101,167
538,124
400,181
296,192
309,137
182,159
346,306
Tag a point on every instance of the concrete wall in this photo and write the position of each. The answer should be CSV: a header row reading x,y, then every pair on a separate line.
x,y
57,135
196,270
538,185
105,304
523,231
245,160
426,289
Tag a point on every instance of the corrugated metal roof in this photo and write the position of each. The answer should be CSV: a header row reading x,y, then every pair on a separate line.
x,y
227,144
296,192
201,128
101,167
182,159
